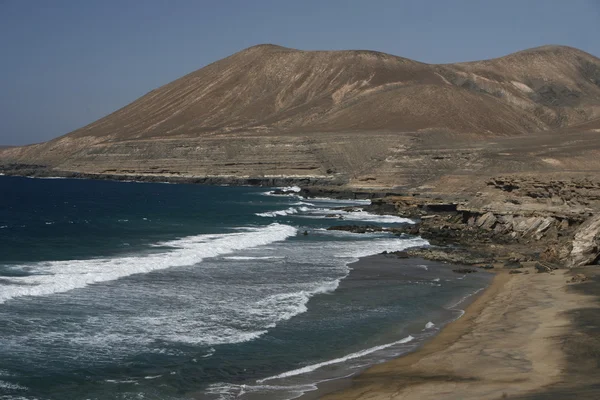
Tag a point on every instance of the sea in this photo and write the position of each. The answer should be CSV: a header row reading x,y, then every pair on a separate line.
x,y
125,290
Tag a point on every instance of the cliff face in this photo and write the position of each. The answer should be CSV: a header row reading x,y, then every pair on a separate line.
x,y
358,117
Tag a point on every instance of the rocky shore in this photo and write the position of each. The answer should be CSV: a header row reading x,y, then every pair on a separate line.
x,y
539,234
533,334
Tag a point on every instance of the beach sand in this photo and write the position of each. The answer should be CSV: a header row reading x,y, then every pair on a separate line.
x,y
527,336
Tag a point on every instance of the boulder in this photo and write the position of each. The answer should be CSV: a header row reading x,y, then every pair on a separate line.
x,y
357,228
464,270
540,268
586,243
486,221
578,278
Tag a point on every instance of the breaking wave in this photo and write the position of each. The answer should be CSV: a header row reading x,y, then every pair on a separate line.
x,y
62,276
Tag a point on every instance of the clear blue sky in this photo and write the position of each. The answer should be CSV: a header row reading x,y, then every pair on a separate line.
x,y
65,63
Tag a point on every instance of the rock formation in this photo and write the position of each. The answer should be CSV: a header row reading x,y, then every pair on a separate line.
x,y
586,244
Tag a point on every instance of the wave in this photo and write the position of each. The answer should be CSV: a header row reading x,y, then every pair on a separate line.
x,y
235,391
11,386
303,203
282,213
369,217
329,200
290,191
295,189
62,276
429,325
288,305
241,258
360,215
358,354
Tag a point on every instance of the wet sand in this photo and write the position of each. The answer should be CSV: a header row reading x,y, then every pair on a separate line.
x,y
528,336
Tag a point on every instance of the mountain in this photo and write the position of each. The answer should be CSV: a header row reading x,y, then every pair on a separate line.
x,y
342,115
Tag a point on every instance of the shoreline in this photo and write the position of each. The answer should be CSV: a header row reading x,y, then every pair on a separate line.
x,y
486,353
509,343
448,334
397,340
473,302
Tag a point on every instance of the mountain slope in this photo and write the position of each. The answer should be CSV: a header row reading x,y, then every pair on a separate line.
x,y
270,110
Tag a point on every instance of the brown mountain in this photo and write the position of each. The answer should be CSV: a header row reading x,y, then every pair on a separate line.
x,y
356,116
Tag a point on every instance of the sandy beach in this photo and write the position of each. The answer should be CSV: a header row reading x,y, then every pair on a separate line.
x,y
526,336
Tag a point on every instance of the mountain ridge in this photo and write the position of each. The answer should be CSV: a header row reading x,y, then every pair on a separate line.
x,y
309,107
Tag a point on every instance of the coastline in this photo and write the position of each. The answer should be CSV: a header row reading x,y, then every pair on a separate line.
x,y
512,341
508,344
470,305
395,340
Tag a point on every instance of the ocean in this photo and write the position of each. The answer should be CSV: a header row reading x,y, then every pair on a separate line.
x,y
124,290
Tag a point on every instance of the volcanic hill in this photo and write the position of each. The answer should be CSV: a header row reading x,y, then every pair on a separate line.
x,y
358,118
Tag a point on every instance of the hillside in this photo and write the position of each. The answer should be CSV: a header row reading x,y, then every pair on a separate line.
x,y
342,115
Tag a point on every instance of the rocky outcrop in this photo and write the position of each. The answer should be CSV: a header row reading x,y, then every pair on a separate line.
x,y
586,243
517,221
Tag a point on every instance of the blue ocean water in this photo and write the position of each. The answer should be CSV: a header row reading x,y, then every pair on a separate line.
x,y
114,290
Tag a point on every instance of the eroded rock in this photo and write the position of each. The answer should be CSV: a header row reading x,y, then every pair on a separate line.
x,y
586,243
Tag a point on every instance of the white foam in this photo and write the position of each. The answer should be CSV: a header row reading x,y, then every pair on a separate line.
x,y
11,386
291,191
62,276
303,203
121,381
429,325
3,226
358,215
242,258
211,351
310,368
283,306
453,306
422,266
227,391
369,217
295,189
282,213
329,200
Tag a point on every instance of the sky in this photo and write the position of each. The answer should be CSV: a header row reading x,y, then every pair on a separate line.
x,y
66,63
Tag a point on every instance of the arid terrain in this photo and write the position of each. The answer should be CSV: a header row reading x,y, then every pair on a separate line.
x,y
358,118
498,158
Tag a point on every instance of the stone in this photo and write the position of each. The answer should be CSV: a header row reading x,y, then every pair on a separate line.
x,y
540,268
464,270
586,243
515,271
357,228
486,221
578,278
